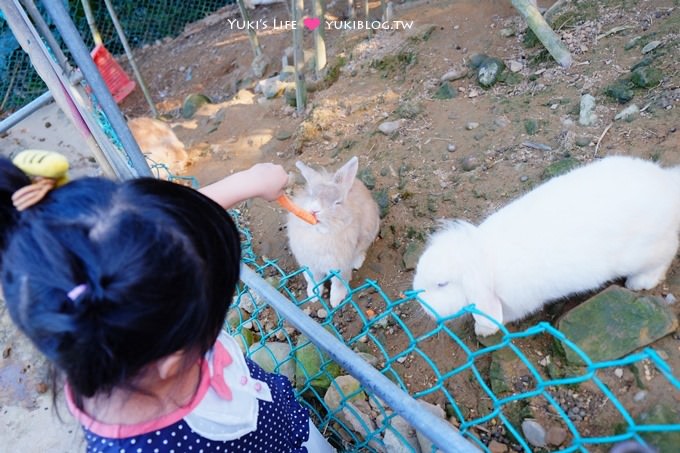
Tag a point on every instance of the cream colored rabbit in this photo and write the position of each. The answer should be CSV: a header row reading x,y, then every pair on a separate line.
x,y
159,143
348,222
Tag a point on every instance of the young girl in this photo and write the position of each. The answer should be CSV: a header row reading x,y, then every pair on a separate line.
x,y
125,288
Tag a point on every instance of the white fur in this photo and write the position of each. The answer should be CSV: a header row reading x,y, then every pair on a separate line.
x,y
618,217
348,222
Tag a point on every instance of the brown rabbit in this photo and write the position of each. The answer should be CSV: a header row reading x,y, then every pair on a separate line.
x,y
348,222
159,143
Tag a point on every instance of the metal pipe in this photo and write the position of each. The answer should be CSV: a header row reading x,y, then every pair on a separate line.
x,y
89,15
82,57
437,430
25,111
43,64
131,58
44,30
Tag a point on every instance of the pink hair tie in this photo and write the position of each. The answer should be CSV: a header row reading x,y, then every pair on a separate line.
x,y
77,291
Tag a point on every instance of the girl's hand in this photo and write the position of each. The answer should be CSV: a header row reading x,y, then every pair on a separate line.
x,y
269,180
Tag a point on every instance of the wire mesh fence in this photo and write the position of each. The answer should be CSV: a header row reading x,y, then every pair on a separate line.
x,y
143,22
463,386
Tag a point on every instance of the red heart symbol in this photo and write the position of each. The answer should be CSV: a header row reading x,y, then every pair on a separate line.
x,y
311,22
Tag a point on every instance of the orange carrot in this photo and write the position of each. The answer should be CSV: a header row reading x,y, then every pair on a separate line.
x,y
288,204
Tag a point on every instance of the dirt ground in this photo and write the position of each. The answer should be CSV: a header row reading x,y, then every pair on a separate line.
x,y
396,74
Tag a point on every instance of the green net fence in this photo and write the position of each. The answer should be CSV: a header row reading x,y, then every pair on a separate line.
x,y
584,406
144,22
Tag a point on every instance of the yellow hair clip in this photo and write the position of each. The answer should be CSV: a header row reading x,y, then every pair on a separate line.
x,y
47,169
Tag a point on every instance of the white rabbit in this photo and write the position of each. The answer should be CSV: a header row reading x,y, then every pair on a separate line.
x,y
618,217
159,143
348,222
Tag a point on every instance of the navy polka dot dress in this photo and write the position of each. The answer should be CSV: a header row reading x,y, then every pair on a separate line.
x,y
282,426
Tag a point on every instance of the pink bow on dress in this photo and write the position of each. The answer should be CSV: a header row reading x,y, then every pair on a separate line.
x,y
221,360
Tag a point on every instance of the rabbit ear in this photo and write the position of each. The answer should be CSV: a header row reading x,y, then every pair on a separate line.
x,y
345,176
308,173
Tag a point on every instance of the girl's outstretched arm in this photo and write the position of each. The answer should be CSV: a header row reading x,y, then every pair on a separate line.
x,y
264,180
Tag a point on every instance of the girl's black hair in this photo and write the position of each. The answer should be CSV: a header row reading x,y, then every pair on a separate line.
x,y
160,262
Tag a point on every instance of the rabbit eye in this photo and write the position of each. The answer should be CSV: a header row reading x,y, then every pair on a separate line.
x,y
443,284
337,202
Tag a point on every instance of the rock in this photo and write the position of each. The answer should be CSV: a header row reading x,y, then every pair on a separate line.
x,y
523,178
344,388
394,443
312,364
382,198
515,66
450,147
639,396
365,175
409,110
646,77
497,447
290,94
192,103
582,140
411,255
628,114
646,61
275,357
488,72
454,74
632,42
390,127
244,339
620,91
424,442
618,372
531,126
497,377
283,135
469,163
587,116
560,167
287,74
371,359
359,421
502,122
471,125
271,87
556,436
477,59
650,46
534,433
507,32
614,323
445,92
632,446
537,146
661,414
321,313
259,65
